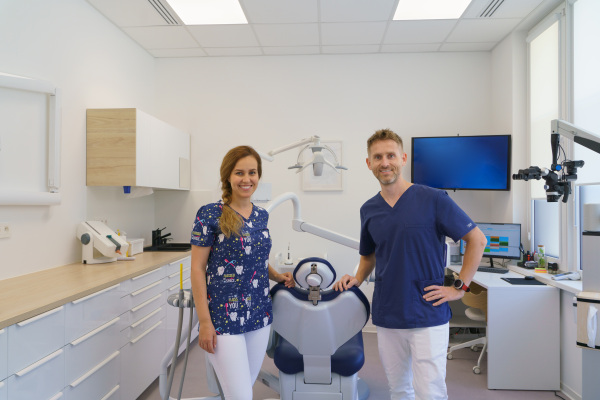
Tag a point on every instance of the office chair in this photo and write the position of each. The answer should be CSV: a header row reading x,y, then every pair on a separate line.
x,y
476,313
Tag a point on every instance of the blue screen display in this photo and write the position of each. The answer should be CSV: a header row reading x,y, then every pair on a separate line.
x,y
462,162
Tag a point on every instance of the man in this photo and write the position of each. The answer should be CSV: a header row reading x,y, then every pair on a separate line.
x,y
404,228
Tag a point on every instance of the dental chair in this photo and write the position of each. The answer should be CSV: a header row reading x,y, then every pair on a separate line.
x,y
317,336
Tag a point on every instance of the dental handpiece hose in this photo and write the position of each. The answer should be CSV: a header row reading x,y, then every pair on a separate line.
x,y
177,341
187,346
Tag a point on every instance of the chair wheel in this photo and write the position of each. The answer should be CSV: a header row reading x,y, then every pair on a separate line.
x,y
476,370
449,356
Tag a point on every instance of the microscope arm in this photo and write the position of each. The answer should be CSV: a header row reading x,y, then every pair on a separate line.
x,y
578,135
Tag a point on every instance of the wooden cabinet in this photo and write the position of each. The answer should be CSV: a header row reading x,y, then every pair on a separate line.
x,y
127,147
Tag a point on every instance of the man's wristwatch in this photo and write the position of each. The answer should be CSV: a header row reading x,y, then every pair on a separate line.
x,y
460,285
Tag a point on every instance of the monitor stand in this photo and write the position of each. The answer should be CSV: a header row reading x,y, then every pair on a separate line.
x,y
491,262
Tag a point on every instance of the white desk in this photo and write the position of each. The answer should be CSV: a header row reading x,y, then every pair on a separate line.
x,y
523,333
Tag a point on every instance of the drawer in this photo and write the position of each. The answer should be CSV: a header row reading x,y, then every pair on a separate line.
x,y
138,282
88,313
87,351
3,387
3,354
174,266
42,380
35,338
143,324
113,394
137,297
140,361
93,384
146,307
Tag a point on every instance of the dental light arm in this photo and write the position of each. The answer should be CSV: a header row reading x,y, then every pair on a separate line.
x,y
560,185
299,225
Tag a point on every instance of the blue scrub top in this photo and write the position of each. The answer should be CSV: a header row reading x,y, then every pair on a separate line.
x,y
237,274
409,245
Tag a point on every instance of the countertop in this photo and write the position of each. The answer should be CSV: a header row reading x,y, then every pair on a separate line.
x,y
29,295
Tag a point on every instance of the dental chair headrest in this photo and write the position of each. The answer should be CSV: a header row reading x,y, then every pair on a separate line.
x,y
313,272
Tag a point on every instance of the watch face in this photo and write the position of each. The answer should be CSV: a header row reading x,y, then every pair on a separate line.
x,y
458,284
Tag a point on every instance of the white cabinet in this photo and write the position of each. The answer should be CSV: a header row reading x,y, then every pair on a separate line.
x,y
3,355
40,380
127,147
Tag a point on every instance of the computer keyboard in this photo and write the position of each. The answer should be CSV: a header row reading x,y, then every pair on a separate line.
x,y
492,270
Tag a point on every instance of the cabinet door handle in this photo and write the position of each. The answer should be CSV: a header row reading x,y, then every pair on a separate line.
x,y
177,285
95,369
38,317
144,304
1,384
135,278
1,331
56,396
113,391
147,317
41,362
137,339
94,332
142,290
94,294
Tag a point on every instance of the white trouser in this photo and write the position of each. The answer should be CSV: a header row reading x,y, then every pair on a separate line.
x,y
414,361
237,361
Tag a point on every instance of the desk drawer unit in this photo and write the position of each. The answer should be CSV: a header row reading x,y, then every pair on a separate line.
x,y
143,280
141,359
3,354
94,382
84,353
140,326
35,338
42,380
90,312
140,296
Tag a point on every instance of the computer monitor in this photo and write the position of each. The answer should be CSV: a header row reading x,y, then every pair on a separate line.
x,y
503,241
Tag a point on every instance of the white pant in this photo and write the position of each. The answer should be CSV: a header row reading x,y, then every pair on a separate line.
x,y
237,361
414,361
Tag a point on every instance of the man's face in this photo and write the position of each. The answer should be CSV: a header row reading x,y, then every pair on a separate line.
x,y
386,159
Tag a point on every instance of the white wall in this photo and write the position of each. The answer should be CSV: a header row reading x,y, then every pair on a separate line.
x,y
70,44
269,102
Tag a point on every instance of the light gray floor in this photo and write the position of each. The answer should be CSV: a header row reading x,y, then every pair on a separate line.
x,y
462,383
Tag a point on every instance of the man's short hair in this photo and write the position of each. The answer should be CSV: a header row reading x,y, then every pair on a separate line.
x,y
384,134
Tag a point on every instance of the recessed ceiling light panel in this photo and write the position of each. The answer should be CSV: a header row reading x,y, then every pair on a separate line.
x,y
430,9
209,12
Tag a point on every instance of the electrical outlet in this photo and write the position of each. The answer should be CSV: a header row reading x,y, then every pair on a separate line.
x,y
4,230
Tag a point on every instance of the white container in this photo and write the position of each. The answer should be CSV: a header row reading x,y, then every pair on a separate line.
x,y
136,246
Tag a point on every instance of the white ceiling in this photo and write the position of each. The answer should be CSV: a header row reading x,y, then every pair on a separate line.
x,y
280,27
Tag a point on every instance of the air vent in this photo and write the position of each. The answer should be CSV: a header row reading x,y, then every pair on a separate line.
x,y
491,8
164,12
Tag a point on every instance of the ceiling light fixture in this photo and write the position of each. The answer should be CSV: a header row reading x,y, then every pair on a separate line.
x,y
430,9
209,12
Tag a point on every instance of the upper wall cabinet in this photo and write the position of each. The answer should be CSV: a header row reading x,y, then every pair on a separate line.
x,y
127,147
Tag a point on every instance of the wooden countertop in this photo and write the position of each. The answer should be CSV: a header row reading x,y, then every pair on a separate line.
x,y
29,295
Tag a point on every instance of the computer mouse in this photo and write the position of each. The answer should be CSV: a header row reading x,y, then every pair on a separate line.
x,y
530,277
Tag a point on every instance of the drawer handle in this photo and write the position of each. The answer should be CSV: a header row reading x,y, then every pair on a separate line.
x,y
95,294
94,332
95,369
1,331
144,304
177,285
137,339
113,391
174,274
56,396
142,290
38,317
41,362
147,317
135,278
1,384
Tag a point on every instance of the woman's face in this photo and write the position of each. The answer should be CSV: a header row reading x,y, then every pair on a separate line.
x,y
244,177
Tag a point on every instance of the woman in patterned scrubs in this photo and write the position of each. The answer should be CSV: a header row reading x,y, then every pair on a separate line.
x,y
230,276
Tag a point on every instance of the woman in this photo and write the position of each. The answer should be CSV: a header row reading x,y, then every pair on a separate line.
x,y
230,276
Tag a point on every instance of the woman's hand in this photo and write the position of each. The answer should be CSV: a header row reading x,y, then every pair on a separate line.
x,y
207,337
287,279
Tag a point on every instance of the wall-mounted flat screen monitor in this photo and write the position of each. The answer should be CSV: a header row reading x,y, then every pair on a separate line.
x,y
503,241
462,162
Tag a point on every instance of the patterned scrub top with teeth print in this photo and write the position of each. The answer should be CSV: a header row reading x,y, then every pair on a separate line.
x,y
237,274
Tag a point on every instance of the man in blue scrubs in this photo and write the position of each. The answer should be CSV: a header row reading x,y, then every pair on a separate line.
x,y
404,228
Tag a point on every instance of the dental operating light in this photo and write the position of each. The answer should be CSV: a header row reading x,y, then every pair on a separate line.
x,y
318,159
